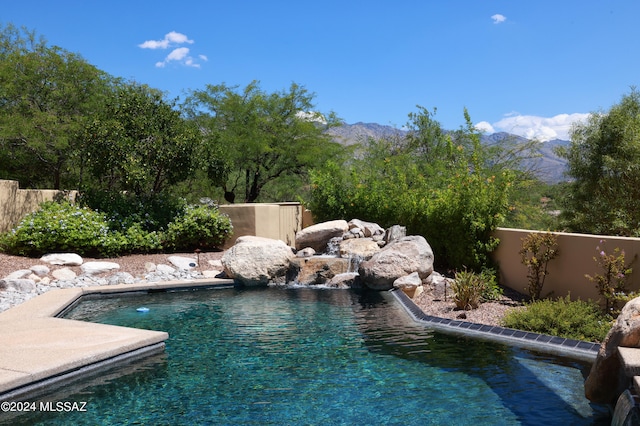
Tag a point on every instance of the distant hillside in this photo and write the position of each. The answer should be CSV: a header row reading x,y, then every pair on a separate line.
x,y
549,167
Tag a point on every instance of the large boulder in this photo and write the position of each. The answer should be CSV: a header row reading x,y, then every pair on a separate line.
x,y
67,259
399,258
408,284
317,236
316,270
606,379
98,267
363,248
257,261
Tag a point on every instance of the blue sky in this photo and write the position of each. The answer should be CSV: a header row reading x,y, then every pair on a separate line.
x,y
529,68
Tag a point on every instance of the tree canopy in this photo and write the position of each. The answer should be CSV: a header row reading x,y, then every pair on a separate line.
x,y
46,94
252,138
139,142
604,164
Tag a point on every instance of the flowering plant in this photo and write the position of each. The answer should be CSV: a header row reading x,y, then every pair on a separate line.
x,y
612,284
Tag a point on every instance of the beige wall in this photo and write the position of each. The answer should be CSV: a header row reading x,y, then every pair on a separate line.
x,y
277,221
15,203
567,271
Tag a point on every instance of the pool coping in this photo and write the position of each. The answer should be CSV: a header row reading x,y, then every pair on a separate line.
x,y
553,345
40,350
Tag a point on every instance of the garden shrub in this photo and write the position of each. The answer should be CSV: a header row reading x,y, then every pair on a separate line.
x,y
124,210
562,317
538,249
612,283
457,218
199,227
491,290
60,227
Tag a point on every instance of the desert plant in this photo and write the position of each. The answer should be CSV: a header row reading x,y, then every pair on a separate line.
x,y
571,319
468,288
612,283
537,250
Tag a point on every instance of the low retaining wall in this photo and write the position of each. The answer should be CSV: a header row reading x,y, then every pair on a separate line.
x,y
15,203
567,271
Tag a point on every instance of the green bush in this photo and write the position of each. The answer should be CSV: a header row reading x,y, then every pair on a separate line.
x,y
491,290
562,317
60,227
124,210
200,227
456,217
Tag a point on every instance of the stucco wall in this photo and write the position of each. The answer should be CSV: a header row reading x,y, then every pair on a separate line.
x,y
277,221
567,271
15,203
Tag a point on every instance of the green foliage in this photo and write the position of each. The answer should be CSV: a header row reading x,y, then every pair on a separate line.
x,y
252,138
538,249
60,227
491,291
467,290
563,317
46,95
201,227
612,283
123,210
535,205
138,143
67,227
471,288
604,164
437,185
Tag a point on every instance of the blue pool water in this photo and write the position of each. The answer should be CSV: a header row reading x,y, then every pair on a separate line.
x,y
314,357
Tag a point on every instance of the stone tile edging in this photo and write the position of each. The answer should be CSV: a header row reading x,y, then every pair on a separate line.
x,y
570,348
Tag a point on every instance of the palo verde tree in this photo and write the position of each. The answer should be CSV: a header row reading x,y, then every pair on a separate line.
x,y
139,143
46,94
604,164
253,138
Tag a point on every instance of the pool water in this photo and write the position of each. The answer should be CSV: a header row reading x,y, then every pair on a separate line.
x,y
314,357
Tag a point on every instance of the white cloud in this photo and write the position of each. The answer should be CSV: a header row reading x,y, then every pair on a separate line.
x,y
498,19
178,54
485,127
170,39
534,127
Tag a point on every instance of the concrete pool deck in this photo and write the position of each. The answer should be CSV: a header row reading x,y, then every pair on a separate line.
x,y
39,350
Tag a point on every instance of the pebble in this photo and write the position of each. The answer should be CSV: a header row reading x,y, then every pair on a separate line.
x,y
14,291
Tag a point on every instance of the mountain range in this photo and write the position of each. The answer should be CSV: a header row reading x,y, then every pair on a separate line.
x,y
548,166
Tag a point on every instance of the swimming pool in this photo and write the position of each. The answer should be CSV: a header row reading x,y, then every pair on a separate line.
x,y
308,356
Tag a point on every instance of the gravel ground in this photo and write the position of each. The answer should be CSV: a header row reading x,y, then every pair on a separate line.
x,y
433,301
